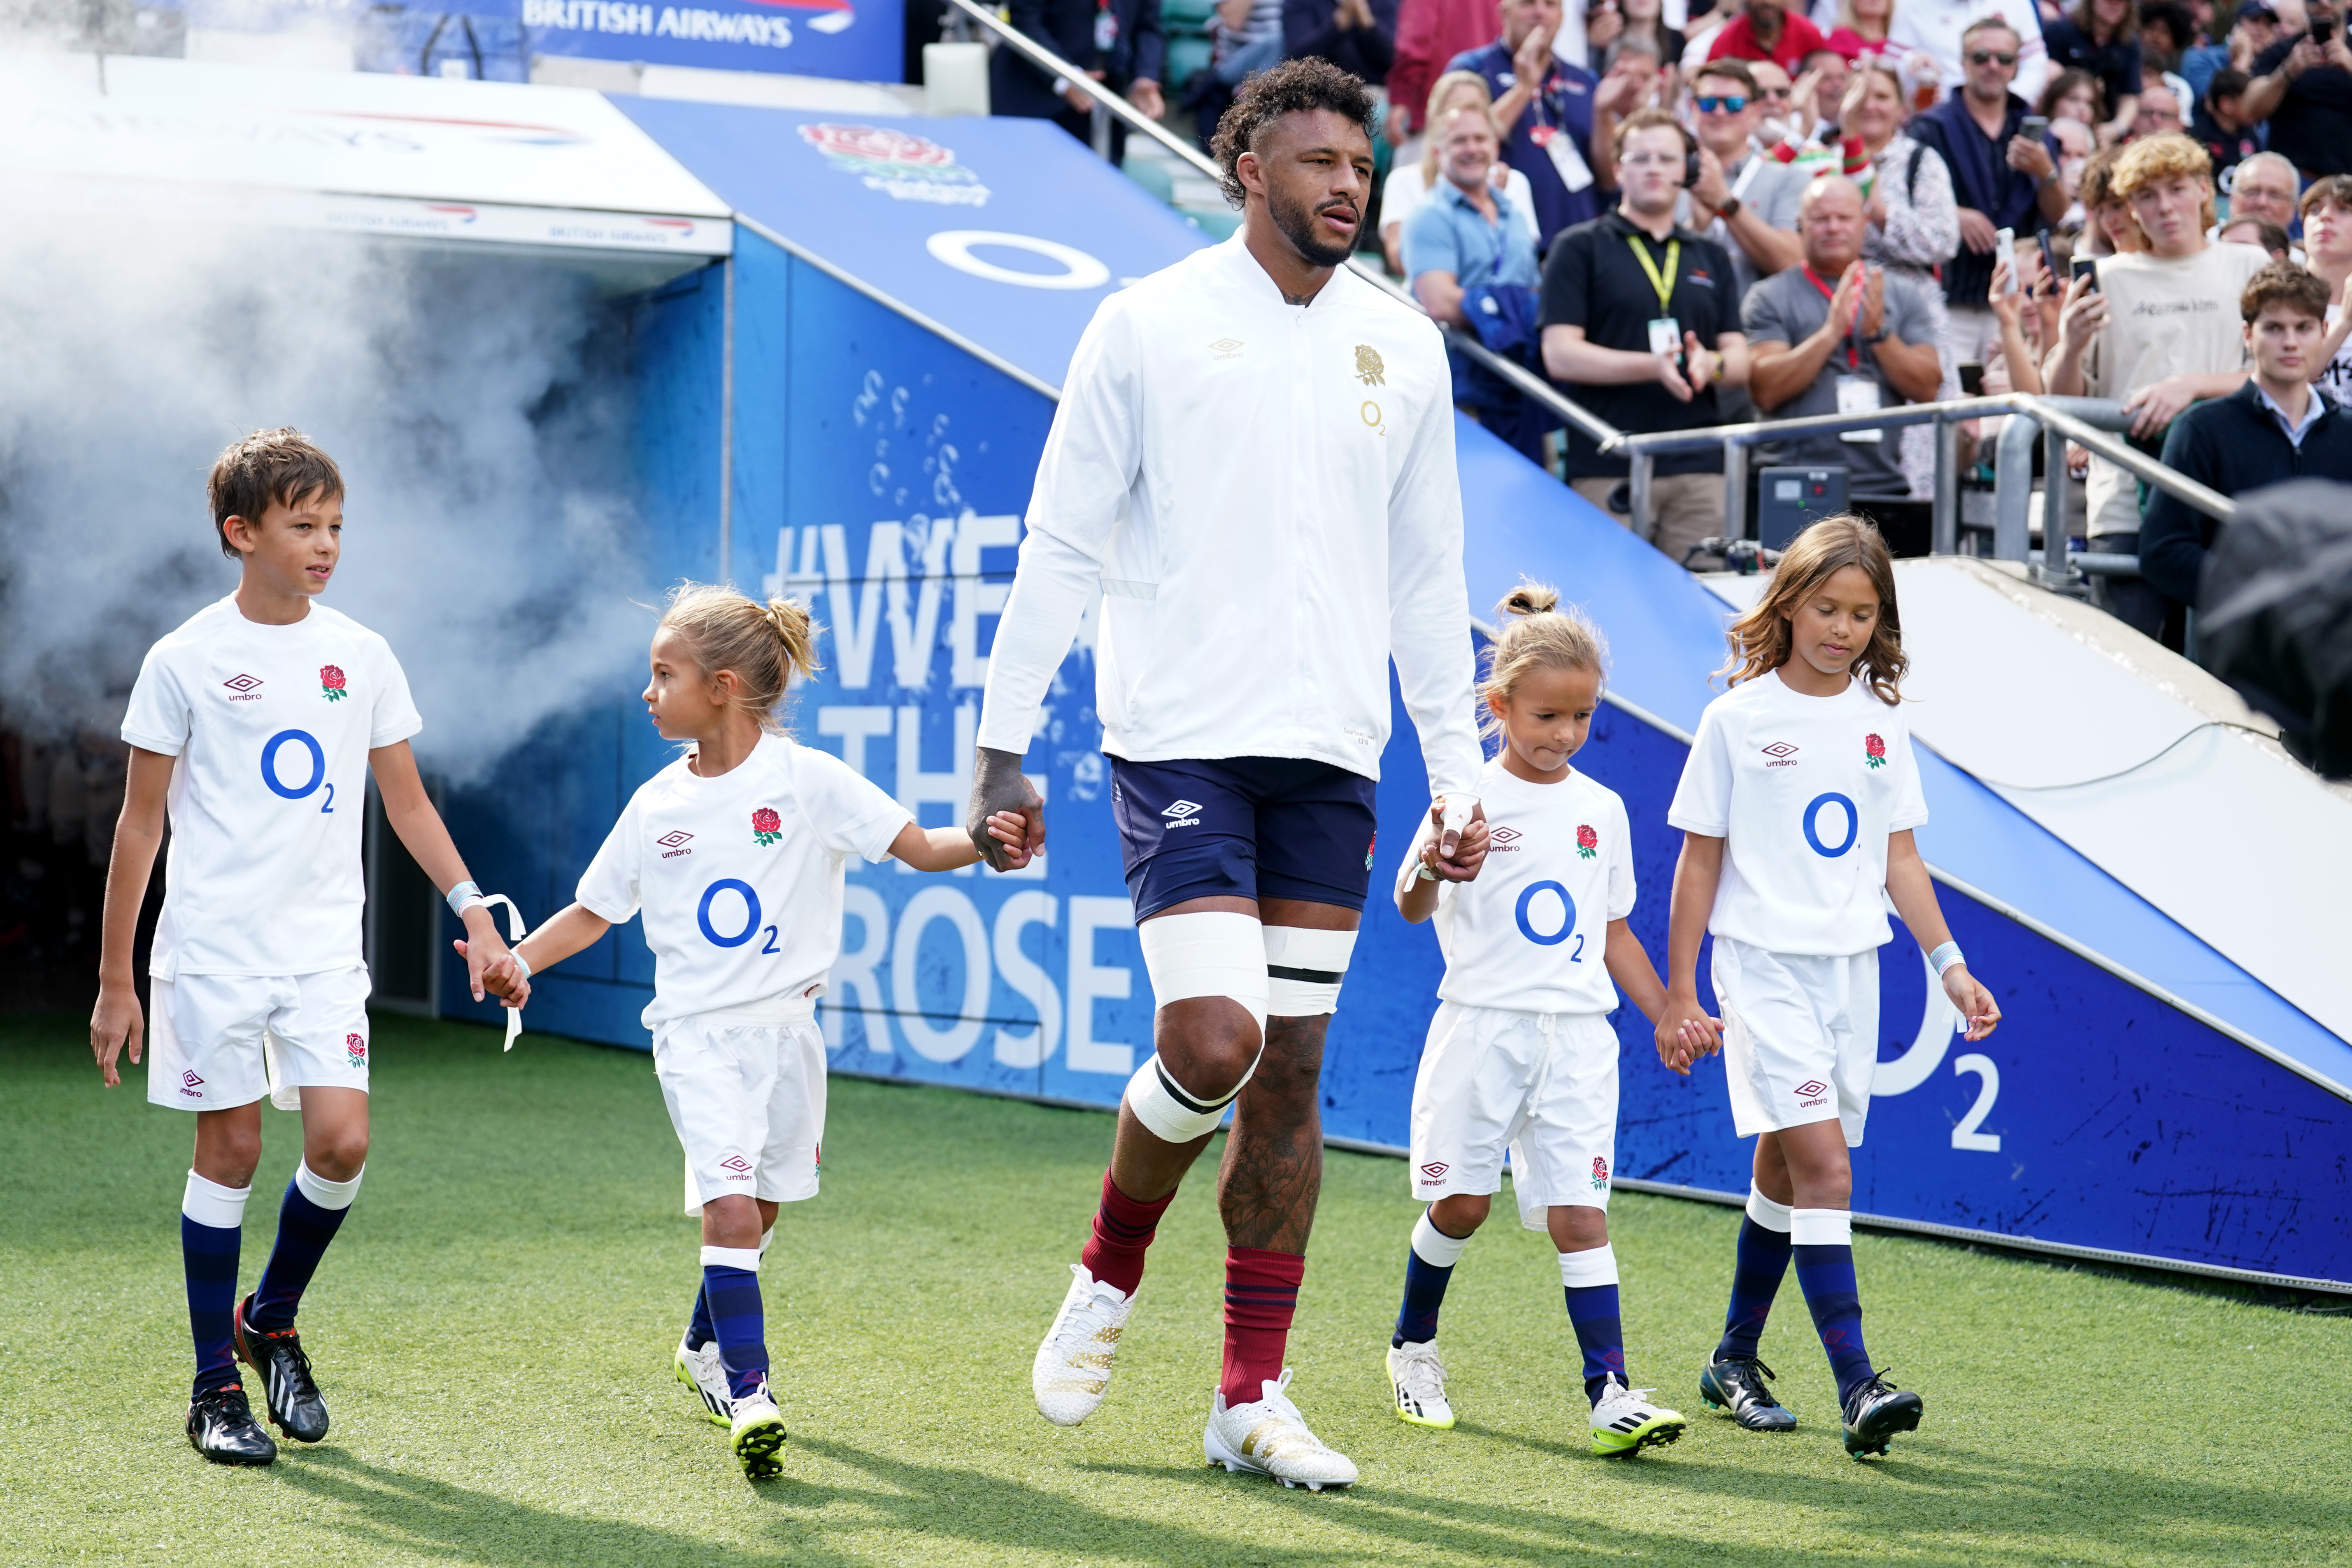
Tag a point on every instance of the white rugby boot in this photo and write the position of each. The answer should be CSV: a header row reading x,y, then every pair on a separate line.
x,y
1418,1379
699,1370
1268,1437
1072,1372
1625,1422
756,1433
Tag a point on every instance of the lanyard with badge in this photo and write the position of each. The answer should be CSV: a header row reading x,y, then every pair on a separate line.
x,y
1856,393
1106,26
1665,333
1557,143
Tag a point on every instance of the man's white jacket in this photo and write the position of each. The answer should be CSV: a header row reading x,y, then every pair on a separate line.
x,y
1266,494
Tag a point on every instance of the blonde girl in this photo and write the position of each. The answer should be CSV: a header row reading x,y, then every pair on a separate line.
x,y
1521,1056
1797,808
735,853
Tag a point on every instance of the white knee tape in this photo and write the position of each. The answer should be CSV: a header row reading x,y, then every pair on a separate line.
x,y
1304,968
1205,956
1171,1111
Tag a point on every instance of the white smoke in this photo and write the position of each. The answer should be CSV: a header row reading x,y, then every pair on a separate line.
x,y
476,405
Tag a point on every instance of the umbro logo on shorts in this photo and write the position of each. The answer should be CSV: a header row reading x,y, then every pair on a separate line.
x,y
243,685
1184,814
739,1165
1810,1092
1434,1172
1780,752
188,1081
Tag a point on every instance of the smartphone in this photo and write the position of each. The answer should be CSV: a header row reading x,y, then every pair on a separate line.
x,y
2088,267
2322,29
1972,379
2004,244
2049,259
2035,127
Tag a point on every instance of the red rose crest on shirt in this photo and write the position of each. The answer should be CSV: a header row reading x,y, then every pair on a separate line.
x,y
330,682
766,826
1587,841
1874,751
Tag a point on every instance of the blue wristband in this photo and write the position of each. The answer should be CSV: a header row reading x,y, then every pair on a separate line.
x,y
1943,957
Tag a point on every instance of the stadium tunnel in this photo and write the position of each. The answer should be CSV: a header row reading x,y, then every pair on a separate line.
x,y
850,408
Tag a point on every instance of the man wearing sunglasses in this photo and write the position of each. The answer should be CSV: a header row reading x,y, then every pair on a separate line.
x,y
1935,29
1742,200
2003,178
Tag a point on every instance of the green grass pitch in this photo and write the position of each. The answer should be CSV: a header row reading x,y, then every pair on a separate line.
x,y
493,1330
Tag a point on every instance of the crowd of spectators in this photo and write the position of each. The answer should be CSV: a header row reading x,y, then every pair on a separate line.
x,y
1692,212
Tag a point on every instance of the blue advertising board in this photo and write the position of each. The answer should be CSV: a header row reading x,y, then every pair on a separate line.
x,y
885,442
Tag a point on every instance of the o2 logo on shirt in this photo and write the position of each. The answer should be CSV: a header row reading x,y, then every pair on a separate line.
x,y
1812,824
751,915
1566,924
309,786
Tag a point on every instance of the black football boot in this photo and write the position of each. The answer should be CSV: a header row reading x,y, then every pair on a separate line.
x,y
287,1386
222,1428
1876,1411
1737,1384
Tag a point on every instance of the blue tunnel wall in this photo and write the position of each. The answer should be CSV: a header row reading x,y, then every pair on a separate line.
x,y
880,473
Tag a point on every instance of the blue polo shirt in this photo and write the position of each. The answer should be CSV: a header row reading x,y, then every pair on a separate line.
x,y
1446,233
1564,107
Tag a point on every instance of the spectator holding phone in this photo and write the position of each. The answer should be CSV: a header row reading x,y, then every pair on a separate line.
x,y
2002,178
2303,86
2155,329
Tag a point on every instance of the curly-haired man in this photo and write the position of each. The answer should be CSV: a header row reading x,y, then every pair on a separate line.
x,y
1254,460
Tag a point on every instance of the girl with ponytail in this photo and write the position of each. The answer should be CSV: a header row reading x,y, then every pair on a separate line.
x,y
1521,1055
735,853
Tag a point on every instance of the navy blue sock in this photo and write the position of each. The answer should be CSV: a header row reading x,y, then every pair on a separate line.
x,y
700,1329
208,1253
739,1323
1826,1276
1600,1332
1426,1281
1763,1260
304,1230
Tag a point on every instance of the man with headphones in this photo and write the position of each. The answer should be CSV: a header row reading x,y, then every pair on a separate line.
x,y
1252,462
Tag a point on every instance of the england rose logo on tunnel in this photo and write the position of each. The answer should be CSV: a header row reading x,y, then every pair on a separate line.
x,y
1874,751
1587,841
766,826
330,682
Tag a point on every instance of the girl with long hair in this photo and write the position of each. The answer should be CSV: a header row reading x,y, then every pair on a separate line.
x,y
1797,808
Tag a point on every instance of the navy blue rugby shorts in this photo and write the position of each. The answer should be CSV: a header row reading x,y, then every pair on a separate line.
x,y
1245,828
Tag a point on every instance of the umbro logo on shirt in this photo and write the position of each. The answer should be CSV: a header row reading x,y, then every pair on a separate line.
x,y
1226,348
1780,751
675,842
1506,840
1184,814
243,686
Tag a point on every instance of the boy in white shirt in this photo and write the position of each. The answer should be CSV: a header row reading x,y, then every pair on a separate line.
x,y
256,725
1520,1055
1797,807
736,853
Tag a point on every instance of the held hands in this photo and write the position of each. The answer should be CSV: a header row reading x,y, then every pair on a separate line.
x,y
502,978
481,946
1973,1001
113,1022
1010,830
1459,845
1685,1033
999,788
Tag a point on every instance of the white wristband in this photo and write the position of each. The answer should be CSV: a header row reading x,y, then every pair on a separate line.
x,y
464,896
1945,957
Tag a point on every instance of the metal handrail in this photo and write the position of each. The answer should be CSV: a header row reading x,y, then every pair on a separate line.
x,y
2059,418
